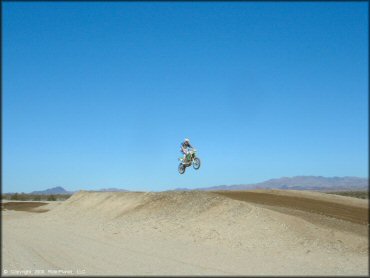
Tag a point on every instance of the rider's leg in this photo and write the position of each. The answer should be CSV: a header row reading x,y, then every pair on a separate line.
x,y
184,156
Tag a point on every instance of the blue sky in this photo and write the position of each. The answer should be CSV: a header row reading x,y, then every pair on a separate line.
x,y
100,95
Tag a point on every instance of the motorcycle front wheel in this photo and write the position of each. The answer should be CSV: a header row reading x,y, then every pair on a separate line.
x,y
196,163
181,168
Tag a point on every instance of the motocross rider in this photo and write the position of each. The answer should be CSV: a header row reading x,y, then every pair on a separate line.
x,y
184,148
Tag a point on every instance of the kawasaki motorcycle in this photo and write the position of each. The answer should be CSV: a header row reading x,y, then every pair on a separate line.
x,y
190,159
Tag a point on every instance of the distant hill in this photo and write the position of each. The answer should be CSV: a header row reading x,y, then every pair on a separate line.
x,y
318,183
54,191
60,190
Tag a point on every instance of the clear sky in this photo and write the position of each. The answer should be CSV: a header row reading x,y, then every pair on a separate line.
x,y
99,95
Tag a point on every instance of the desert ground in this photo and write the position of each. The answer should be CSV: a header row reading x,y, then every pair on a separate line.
x,y
257,232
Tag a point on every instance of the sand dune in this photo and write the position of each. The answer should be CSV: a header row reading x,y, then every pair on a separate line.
x,y
261,232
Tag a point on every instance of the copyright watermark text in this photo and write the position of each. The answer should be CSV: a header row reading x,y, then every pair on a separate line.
x,y
43,272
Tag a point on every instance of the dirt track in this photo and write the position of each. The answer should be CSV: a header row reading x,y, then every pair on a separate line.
x,y
356,214
189,233
23,206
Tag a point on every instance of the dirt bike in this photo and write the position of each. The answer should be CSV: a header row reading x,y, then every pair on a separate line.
x,y
190,159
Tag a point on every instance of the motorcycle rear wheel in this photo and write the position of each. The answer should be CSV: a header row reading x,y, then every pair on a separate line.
x,y
181,168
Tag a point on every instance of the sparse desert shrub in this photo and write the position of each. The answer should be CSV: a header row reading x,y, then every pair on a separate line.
x,y
5,196
15,196
22,197
51,198
36,198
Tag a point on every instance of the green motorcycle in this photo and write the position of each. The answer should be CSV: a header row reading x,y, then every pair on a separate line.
x,y
190,159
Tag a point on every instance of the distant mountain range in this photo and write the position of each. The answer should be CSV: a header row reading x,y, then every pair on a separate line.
x,y
60,190
317,183
314,183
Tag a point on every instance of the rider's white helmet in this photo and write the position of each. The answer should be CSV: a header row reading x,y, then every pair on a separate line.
x,y
186,140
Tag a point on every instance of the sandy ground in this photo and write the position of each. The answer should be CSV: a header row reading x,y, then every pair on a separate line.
x,y
261,232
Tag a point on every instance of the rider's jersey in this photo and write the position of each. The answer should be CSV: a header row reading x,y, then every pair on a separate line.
x,y
184,146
